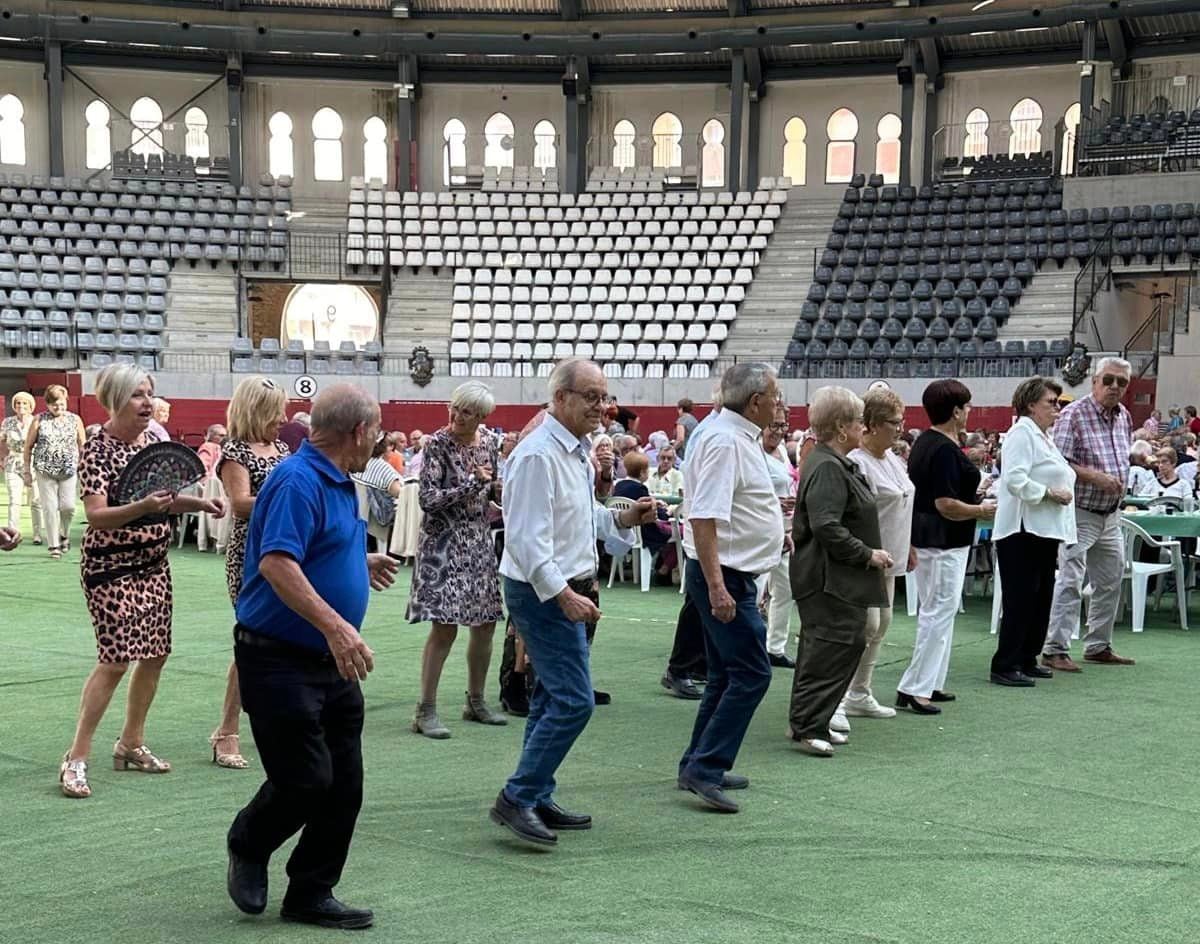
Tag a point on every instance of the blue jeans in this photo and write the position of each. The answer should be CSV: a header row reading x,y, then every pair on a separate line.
x,y
562,700
739,674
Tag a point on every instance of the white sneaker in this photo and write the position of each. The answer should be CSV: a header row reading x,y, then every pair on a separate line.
x,y
837,738
839,722
815,746
866,707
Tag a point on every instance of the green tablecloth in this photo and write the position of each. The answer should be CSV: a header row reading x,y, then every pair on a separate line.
x,y
1177,525
1138,501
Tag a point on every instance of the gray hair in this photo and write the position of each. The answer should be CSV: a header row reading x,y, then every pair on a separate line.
x,y
566,373
302,418
116,383
658,439
743,381
473,397
601,439
340,408
829,407
1140,448
211,431
1111,361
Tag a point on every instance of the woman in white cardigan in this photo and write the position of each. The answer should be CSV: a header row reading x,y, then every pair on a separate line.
x,y
1033,518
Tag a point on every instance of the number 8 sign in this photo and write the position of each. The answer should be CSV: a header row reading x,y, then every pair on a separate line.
x,y
305,387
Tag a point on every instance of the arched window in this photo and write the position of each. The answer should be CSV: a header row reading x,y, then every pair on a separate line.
x,y
196,143
498,134
712,154
375,149
795,151
623,154
887,148
327,145
545,150
841,129
1070,132
97,137
1025,127
975,143
329,312
454,152
146,137
12,130
280,160
667,131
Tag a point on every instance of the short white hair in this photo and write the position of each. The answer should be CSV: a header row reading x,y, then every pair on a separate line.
x,y
601,439
566,373
743,381
1112,361
116,383
341,408
1141,448
831,406
474,397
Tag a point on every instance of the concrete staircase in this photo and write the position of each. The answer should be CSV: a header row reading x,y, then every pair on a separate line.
x,y
1046,308
767,316
201,311
419,313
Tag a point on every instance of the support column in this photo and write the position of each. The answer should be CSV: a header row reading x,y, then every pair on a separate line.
x,y
753,133
1087,71
54,107
576,95
931,64
233,84
904,74
407,92
737,95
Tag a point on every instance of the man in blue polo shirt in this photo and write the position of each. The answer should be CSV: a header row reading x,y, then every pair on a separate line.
x,y
300,659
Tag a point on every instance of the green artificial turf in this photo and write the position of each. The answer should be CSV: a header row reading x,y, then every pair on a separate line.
x,y
1065,813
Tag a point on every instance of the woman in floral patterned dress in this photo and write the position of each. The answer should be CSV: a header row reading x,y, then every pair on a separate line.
x,y
455,580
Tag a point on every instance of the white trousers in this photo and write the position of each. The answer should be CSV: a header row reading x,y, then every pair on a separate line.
x,y
779,612
879,619
940,575
16,498
1098,555
58,506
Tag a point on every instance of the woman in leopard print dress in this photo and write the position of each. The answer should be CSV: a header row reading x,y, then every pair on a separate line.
x,y
126,578
249,453
455,579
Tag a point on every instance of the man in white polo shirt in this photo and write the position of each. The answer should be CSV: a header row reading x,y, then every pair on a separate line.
x,y
734,532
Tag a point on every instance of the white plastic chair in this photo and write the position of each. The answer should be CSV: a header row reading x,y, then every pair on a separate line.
x,y
642,561
1138,573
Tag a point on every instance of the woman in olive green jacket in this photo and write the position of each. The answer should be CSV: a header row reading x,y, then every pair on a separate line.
x,y
836,569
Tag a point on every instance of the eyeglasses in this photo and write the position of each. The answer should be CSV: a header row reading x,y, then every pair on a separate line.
x,y
1109,380
778,427
590,397
896,422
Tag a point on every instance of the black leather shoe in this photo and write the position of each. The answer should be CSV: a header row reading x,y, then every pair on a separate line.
x,y
942,696
904,700
601,698
681,688
555,817
711,794
728,782
781,662
523,821
1037,672
1012,679
246,882
326,912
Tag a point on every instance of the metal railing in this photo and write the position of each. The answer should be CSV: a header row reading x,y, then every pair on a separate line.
x,y
1094,276
980,139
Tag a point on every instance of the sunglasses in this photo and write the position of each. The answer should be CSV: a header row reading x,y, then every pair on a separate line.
x,y
1109,380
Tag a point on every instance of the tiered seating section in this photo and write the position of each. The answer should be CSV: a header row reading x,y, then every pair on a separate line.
x,y
84,266
270,358
1140,235
918,283
1140,143
999,167
645,283
523,179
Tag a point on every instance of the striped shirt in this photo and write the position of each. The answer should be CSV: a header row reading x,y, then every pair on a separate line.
x,y
1088,436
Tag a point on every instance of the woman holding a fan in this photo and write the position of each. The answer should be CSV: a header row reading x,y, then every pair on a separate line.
x,y
250,451
126,578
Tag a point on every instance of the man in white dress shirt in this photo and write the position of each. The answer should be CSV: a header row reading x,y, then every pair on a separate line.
x,y
552,523
734,531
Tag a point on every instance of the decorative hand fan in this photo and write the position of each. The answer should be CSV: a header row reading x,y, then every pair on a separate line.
x,y
159,467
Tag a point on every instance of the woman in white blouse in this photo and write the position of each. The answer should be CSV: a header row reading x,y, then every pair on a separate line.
x,y
1033,517
883,421
1167,482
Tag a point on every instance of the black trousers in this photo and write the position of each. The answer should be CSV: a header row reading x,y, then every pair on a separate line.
x,y
833,635
688,658
1027,564
307,723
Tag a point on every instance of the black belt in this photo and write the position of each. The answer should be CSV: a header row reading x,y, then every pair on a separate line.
x,y
248,637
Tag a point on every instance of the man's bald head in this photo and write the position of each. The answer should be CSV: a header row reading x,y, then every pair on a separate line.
x,y
339,409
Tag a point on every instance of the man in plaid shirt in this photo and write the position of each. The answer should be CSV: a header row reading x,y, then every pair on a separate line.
x,y
1094,435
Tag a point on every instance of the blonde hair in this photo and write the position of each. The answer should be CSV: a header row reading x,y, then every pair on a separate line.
x,y
879,405
831,406
26,398
254,410
55,392
116,383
